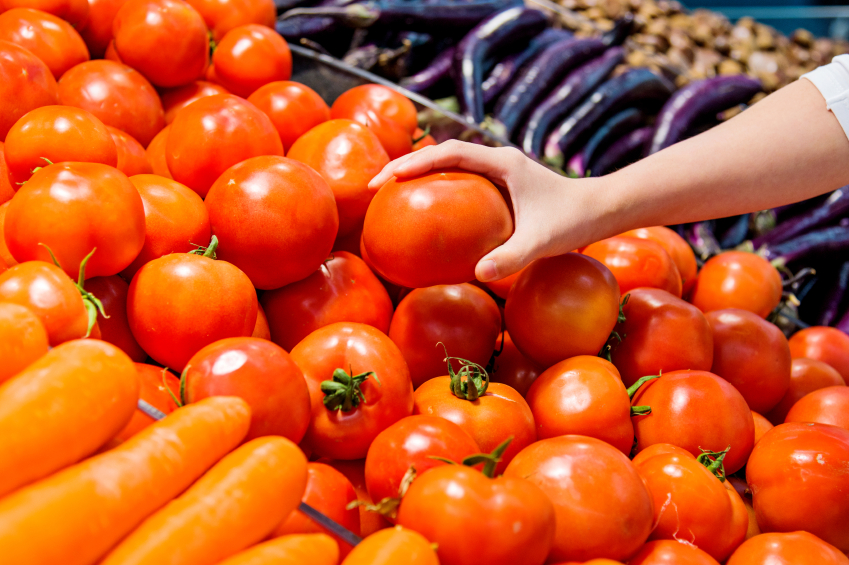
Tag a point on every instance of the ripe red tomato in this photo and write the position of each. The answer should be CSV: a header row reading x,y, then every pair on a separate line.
x,y
348,411
751,354
6,190
502,287
294,108
275,217
762,426
213,134
348,156
422,140
261,329
512,367
112,291
132,159
156,154
154,389
23,339
51,39
637,263
393,137
677,247
592,520
660,333
370,521
175,99
355,104
75,12
251,56
828,405
222,16
798,548
806,376
26,83
670,552
746,495
562,306
735,279
828,345
5,256
96,31
342,289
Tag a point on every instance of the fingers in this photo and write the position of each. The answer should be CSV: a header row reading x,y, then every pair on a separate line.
x,y
388,171
505,260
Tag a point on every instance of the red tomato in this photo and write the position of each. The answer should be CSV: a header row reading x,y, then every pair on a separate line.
x,y
667,552
261,329
828,345
637,263
132,160
806,376
6,190
379,99
762,426
828,405
51,39
5,256
422,140
602,509
112,292
348,156
156,154
502,287
746,495
393,137
75,12
275,217
462,317
294,108
370,521
677,247
153,389
96,31
26,83
798,548
735,279
349,415
111,54
175,99
23,339
562,306
513,368
660,333
213,134
251,56
751,354
222,16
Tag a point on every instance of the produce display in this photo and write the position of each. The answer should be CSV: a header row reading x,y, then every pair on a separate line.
x,y
218,345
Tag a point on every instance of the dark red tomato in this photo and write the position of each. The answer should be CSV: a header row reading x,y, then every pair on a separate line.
x,y
829,345
175,99
804,463
412,234
275,217
343,289
502,287
350,243
213,134
677,247
828,405
381,100
251,56
661,333
762,426
53,134
583,395
637,263
352,410
154,385
370,521
393,137
51,39
26,83
156,154
111,54
6,190
132,160
23,339
695,410
422,140
798,548
562,306
75,208
806,376
75,12
348,156
112,292
165,40
261,329
294,108
603,509
222,16
5,256
513,368
414,441
96,31
736,279
462,317
668,552
751,354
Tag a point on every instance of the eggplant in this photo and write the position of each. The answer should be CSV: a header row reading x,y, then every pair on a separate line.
x,y
835,207
535,80
565,97
843,323
698,100
735,234
437,71
701,238
296,27
489,36
818,242
622,28
624,151
634,87
614,128
789,210
836,297
286,5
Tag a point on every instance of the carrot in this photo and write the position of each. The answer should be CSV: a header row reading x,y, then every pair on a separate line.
x,y
77,515
62,408
393,546
298,549
235,505
23,339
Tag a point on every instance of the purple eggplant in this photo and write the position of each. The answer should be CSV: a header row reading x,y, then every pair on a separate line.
x,y
830,211
815,243
286,5
624,151
701,238
836,297
843,323
735,234
614,128
488,37
437,71
698,100
565,97
622,28
790,210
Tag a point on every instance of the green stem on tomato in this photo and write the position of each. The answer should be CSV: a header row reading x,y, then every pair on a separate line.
x,y
713,462
344,392
632,390
470,382
92,304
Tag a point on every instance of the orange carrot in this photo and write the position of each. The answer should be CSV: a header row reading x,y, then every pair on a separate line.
x,y
393,546
235,505
62,408
298,549
23,339
77,515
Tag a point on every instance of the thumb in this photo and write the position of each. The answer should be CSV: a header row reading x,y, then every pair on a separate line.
x,y
503,261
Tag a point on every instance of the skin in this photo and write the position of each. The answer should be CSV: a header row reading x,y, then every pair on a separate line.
x,y
26,83
736,279
250,56
677,247
318,549
829,345
637,263
112,291
806,376
512,367
294,108
221,17
153,389
23,339
51,39
828,405
175,99
132,159
395,546
798,548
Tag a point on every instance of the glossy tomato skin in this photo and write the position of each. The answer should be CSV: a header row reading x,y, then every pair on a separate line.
x,y
423,140
798,548
668,552
762,426
342,289
735,279
51,39
828,345
75,12
408,216
251,56
112,291
5,257
605,509
502,287
637,263
462,317
513,517
175,99
294,108
275,218
662,333
96,31
6,190
513,368
156,154
370,521
393,546
677,247
261,329
213,134
828,405
806,376
153,389
132,159
26,83
221,17
348,156
393,137
358,101
23,339
561,307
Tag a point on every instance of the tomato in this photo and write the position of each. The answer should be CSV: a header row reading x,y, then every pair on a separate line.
x,y
370,521
513,519
213,134
502,287
5,257
393,137
294,108
112,292
348,411
746,495
51,39
175,99
111,54
562,306
637,263
668,552
828,345
660,333
602,507
752,354
348,156
26,83
677,247
261,329
762,426
513,368
96,31
414,234
583,395
251,56
393,546
156,154
806,376
23,339
154,385
798,548
735,279
6,190
132,159
180,303
222,16
75,12
828,405
275,217
381,100
53,134
422,140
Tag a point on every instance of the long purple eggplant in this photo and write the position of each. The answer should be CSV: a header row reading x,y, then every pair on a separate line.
x,y
635,87
622,28
698,100
565,97
537,78
701,238
815,243
438,70
835,207
735,234
296,27
625,150
611,130
489,36
836,297
790,210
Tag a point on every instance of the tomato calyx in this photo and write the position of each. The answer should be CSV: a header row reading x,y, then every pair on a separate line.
x,y
92,304
344,392
470,382
713,462
208,251
607,348
180,402
388,506
424,134
490,460
632,390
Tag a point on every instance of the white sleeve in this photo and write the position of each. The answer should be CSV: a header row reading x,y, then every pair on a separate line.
x,y
832,81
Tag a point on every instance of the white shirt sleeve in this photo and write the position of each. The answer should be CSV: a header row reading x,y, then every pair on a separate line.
x,y
832,81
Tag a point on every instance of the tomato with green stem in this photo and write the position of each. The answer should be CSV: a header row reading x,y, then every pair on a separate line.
x,y
736,279
370,520
250,56
26,83
798,548
828,345
294,108
806,376
637,263
114,327
51,39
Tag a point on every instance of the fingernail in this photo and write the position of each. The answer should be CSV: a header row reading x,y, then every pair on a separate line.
x,y
487,271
